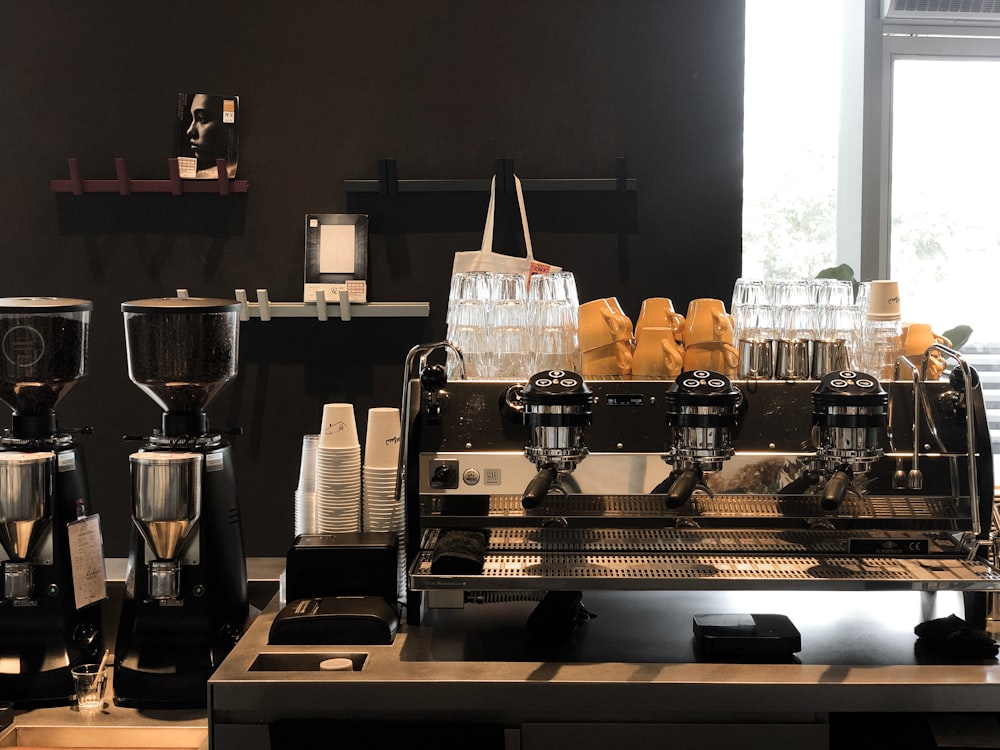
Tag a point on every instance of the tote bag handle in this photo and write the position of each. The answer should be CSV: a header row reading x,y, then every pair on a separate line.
x,y
487,246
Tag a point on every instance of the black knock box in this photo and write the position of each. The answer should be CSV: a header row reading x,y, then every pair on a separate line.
x,y
354,564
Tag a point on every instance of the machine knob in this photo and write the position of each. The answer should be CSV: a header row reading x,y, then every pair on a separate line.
x,y
433,378
443,476
87,637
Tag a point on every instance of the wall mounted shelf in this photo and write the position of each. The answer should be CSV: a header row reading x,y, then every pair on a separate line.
x,y
388,182
343,308
124,185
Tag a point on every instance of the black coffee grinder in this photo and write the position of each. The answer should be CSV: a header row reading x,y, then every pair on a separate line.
x,y
186,602
44,499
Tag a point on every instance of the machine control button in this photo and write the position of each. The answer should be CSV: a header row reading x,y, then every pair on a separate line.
x,y
471,477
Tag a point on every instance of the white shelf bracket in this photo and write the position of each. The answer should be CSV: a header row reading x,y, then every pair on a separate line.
x,y
264,303
241,297
345,305
321,312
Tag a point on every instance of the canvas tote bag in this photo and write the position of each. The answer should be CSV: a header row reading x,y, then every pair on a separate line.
x,y
485,259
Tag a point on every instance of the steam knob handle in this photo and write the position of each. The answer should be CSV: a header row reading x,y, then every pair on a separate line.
x,y
433,378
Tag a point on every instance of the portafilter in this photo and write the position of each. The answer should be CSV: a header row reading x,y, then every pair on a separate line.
x,y
557,408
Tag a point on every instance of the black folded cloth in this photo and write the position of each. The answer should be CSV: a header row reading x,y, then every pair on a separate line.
x,y
953,636
556,616
459,552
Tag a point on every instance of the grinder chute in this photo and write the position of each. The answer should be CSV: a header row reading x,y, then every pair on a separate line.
x,y
25,510
849,410
703,410
557,408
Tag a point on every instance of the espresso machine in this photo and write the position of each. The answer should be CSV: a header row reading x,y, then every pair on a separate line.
x,y
768,484
47,624
186,600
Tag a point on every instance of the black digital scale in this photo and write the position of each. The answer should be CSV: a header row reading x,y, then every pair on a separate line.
x,y
746,635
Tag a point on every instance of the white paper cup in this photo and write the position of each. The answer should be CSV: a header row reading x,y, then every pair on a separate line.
x,y
382,438
339,428
307,466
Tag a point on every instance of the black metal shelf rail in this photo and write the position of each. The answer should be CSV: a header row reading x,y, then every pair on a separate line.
x,y
388,182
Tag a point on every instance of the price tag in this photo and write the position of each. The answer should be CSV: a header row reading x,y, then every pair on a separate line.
x,y
86,552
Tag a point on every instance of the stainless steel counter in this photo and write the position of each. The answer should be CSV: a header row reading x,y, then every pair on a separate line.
x,y
634,665
66,727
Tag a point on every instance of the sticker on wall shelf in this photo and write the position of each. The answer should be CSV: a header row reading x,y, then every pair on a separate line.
x,y
336,256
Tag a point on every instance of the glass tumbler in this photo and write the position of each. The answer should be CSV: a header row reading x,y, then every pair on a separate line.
x,y
467,331
509,339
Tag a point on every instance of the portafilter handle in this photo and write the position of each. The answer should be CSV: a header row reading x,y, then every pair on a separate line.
x,y
538,488
681,484
836,487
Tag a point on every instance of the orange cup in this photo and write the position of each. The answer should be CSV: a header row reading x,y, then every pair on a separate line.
x,y
601,322
708,322
657,354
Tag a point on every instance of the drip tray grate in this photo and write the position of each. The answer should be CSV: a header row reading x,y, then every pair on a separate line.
x,y
700,505
639,571
738,541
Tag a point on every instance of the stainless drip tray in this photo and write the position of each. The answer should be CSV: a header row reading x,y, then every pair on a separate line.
x,y
453,510
666,559
727,541
637,571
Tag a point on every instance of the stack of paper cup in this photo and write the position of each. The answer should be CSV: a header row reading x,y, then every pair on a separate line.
x,y
305,493
381,509
338,471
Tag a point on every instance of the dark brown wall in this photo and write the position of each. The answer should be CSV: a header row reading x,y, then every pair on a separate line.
x,y
563,87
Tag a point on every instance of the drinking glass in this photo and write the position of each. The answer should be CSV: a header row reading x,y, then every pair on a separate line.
x,y
832,292
834,343
508,286
509,339
796,331
786,292
469,285
755,334
467,330
748,292
554,336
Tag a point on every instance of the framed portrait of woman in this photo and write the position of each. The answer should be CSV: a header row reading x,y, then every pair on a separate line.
x,y
207,130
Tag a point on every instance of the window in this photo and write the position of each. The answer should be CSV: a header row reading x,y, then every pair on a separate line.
x,y
943,222
886,164
792,104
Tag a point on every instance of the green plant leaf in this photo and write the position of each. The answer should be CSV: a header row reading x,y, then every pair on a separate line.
x,y
843,272
958,336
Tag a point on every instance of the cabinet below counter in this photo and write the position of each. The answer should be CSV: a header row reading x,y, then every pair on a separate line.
x,y
471,677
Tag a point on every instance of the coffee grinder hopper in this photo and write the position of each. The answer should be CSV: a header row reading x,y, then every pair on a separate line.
x,y
181,352
43,353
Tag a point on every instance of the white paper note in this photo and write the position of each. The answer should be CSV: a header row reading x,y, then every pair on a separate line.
x,y
86,552
336,248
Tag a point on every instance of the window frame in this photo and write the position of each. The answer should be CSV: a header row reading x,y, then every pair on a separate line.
x,y
902,43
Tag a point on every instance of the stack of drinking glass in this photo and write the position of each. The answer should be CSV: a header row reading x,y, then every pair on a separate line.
x,y
509,328
795,329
